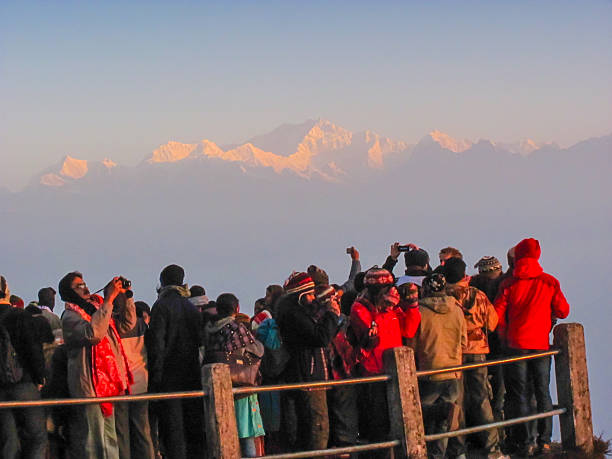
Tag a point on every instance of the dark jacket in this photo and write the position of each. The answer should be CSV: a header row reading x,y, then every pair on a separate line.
x,y
173,341
489,286
305,339
21,328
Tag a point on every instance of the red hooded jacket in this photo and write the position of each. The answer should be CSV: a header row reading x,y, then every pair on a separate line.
x,y
528,301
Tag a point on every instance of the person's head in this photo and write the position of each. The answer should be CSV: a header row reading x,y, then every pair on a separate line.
x,y
143,311
325,295
197,290
510,257
433,283
227,305
417,258
453,270
449,252
17,302
172,275
73,289
358,281
528,248
318,275
409,293
33,309
46,297
260,305
5,292
302,285
273,293
346,302
489,266
380,287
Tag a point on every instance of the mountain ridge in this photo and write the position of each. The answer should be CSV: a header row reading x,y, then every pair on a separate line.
x,y
313,149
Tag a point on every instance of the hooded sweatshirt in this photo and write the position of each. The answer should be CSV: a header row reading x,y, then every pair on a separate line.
x,y
441,335
528,301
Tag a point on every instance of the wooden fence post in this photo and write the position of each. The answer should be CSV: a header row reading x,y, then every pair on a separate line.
x,y
573,387
404,403
219,414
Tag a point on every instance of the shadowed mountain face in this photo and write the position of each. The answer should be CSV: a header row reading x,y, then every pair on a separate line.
x,y
241,217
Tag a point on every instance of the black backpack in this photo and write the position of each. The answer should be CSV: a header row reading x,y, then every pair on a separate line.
x,y
11,370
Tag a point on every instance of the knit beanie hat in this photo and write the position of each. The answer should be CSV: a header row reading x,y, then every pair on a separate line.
x,y
172,275
527,248
378,277
434,282
487,264
319,277
453,270
299,283
259,319
416,257
324,293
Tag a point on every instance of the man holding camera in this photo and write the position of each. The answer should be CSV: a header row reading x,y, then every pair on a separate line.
x,y
97,365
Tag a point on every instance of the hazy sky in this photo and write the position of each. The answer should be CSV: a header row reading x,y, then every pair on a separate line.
x,y
116,79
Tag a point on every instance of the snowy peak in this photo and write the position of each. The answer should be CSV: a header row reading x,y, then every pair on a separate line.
x,y
73,169
172,152
448,143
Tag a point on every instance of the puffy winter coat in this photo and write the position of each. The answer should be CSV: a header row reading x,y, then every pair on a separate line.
x,y
363,313
528,301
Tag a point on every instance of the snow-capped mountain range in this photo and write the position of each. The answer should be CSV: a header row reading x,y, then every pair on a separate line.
x,y
316,149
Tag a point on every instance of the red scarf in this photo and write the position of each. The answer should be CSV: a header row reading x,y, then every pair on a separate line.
x,y
104,370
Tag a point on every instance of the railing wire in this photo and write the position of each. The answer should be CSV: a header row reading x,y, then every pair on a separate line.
x,y
332,451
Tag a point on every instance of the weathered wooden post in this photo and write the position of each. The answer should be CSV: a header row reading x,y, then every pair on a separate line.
x,y
219,414
404,403
573,387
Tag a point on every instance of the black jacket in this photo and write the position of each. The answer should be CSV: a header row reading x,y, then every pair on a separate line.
x,y
21,328
305,339
173,342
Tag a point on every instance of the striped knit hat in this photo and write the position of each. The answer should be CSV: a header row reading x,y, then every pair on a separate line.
x,y
378,277
487,263
324,293
299,283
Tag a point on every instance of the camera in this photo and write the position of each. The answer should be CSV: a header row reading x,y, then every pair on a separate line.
x,y
404,248
125,284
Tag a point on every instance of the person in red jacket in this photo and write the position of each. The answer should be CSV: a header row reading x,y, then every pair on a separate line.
x,y
376,328
527,304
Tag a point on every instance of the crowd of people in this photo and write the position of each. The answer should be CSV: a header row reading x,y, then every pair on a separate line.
x,y
307,329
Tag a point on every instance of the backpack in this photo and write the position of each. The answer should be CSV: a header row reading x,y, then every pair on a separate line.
x,y
276,357
228,346
11,370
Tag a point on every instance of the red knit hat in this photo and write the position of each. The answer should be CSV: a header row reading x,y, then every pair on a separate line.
x,y
378,276
299,283
527,248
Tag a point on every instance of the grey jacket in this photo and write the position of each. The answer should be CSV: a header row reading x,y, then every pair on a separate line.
x,y
80,336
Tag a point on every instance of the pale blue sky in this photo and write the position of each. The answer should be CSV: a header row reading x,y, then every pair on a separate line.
x,y
116,80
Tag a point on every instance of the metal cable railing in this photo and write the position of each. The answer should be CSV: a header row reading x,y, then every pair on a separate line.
x,y
494,425
487,363
310,385
94,400
331,451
